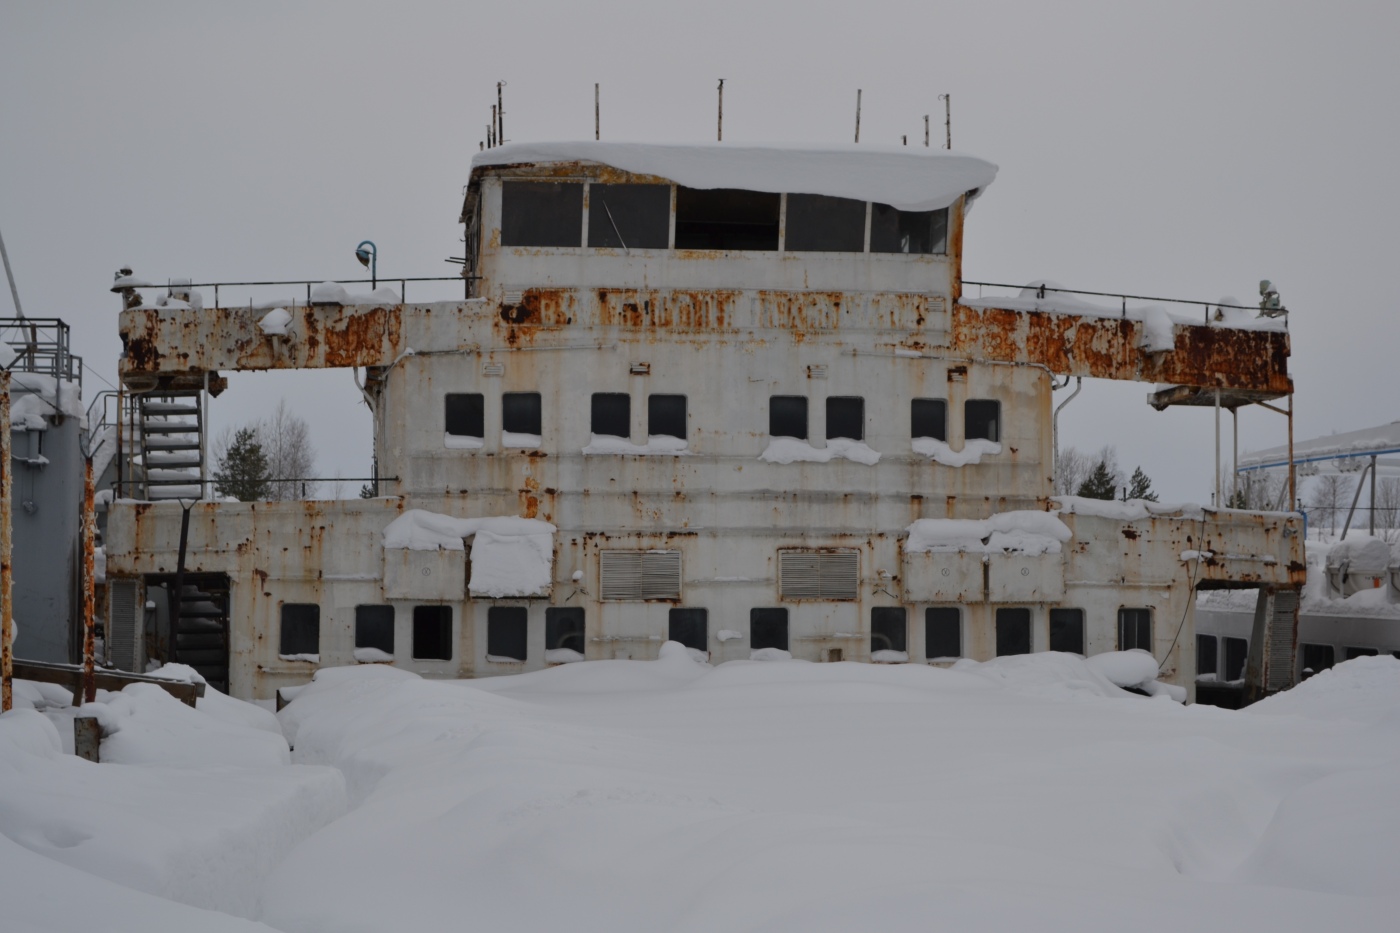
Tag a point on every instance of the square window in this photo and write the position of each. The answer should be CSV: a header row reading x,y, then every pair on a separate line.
x,y
982,419
896,231
768,628
1317,658
1067,630
1135,629
889,629
1013,631
563,628
541,213
374,628
928,417
818,223
520,413
1207,657
432,633
1361,653
726,218
845,417
612,414
466,414
1236,657
507,629
942,632
787,416
666,416
690,627
629,216
301,629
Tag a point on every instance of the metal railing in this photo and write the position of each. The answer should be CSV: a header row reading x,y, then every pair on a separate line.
x,y
310,284
1210,306
41,345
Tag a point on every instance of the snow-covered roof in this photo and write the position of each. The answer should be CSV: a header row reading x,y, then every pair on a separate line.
x,y
1382,439
910,178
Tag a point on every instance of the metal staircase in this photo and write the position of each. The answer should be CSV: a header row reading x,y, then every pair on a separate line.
x,y
171,441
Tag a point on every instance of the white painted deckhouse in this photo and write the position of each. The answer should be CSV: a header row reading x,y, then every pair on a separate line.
x,y
729,396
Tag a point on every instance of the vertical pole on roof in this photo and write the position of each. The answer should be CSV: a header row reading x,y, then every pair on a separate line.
x,y
1292,469
857,114
1235,460
925,131
7,618
14,292
1373,495
500,115
597,123
719,130
491,130
947,118
905,140
1218,503
89,581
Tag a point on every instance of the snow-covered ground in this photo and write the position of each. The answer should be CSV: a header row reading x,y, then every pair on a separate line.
x,y
1026,793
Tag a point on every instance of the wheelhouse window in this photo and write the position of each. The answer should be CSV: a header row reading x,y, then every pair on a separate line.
x,y
541,213
690,627
845,417
1207,657
982,419
942,632
768,628
1013,631
787,416
889,629
301,629
563,628
1135,629
666,416
896,231
611,414
466,414
1236,657
1317,658
726,218
507,631
374,627
1067,630
432,633
928,417
629,216
520,413
821,224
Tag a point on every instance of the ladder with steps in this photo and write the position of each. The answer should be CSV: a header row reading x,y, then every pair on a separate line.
x,y
170,438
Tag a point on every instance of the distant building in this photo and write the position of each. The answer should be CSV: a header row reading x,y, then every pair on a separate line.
x,y
730,396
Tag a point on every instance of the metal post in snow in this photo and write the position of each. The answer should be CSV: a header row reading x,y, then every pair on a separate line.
x,y
89,581
7,619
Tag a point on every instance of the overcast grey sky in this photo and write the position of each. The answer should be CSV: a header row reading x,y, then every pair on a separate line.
x,y
1181,149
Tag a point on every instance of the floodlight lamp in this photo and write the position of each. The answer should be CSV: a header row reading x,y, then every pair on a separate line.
x,y
362,255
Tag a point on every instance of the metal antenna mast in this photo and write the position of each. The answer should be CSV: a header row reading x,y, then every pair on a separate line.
x,y
597,131
925,131
500,115
719,131
857,114
947,118
9,274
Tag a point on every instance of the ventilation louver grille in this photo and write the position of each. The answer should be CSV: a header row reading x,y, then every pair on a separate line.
x,y
819,574
640,574
124,625
1282,626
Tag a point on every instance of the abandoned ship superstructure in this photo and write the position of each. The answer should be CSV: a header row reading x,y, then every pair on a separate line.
x,y
728,396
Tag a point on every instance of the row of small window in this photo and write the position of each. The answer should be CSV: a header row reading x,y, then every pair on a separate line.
x,y
611,414
630,216
507,629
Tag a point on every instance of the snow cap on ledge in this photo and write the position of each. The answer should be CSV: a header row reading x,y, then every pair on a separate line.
x,y
510,556
1026,532
910,178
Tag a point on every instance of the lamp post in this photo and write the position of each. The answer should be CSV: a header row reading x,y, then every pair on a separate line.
x,y
369,258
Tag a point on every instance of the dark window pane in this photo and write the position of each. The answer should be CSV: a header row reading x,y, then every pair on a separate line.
x,y
1317,658
374,628
541,213
432,633
889,629
845,417
824,224
1135,629
726,218
896,231
466,414
943,632
1067,630
768,628
1013,631
690,627
563,628
666,415
301,629
507,628
612,414
1207,660
630,216
1361,653
1236,655
928,417
982,419
520,412
787,416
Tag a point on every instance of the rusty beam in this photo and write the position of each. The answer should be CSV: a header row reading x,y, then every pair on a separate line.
x,y
1108,348
89,545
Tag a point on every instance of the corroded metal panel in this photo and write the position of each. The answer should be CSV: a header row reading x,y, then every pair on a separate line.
x,y
943,577
428,575
1024,578
1108,348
